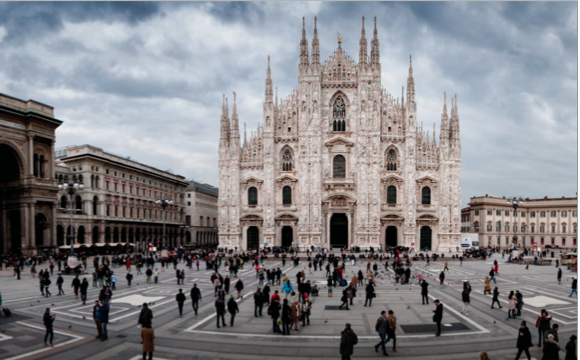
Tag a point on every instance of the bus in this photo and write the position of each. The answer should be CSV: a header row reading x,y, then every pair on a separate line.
x,y
469,241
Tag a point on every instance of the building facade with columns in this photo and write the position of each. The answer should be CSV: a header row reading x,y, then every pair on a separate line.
x,y
340,162
28,191
118,201
546,221
201,212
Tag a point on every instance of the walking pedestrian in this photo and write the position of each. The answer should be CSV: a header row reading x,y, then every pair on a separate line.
x,y
258,302
59,282
344,299
559,276
306,309
392,321
424,292
495,298
492,276
348,340
239,287
97,319
369,294
47,285
220,309
104,311
294,314
442,278
195,295
274,311
148,273
438,316
466,301
232,309
227,284
48,320
543,326
180,298
571,348
286,317
445,268
487,287
129,278
287,288
551,348
381,327
574,287
145,316
329,284
147,336
524,341
84,289
519,303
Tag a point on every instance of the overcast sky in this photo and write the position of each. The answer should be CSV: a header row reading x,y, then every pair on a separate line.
x,y
145,80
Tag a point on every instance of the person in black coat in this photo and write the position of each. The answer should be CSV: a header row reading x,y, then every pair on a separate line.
x,y
424,292
232,309
286,318
524,341
84,289
466,301
551,348
495,298
258,302
274,311
239,287
266,293
195,295
438,316
441,278
220,309
180,298
146,316
227,284
370,294
571,349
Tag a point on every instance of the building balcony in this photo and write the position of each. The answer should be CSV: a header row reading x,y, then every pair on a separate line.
x,y
252,208
426,208
392,137
286,207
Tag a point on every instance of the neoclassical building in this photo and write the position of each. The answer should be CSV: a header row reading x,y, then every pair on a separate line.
x,y
340,162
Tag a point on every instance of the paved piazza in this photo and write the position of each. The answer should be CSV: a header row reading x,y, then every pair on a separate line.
x,y
196,337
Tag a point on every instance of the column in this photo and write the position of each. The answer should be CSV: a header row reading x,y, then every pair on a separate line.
x,y
30,155
31,224
52,241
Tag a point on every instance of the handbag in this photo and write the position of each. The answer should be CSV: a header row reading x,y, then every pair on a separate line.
x,y
279,321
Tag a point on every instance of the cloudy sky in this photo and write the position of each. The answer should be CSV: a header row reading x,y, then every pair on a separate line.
x,y
146,80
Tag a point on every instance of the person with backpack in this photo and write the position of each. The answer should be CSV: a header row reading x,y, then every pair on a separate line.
x,y
348,340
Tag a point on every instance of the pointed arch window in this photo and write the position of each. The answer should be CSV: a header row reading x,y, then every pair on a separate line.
x,y
287,160
391,160
286,195
391,195
252,196
426,196
339,167
339,115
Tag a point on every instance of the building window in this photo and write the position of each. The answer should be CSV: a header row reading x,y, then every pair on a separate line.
x,y
391,160
523,214
533,228
498,226
541,241
563,228
78,203
542,214
507,213
107,185
214,222
552,214
131,213
287,159
188,220
553,241
507,227
563,241
476,226
575,213
286,195
489,227
575,228
489,211
476,212
123,187
523,228
564,213
339,115
116,187
498,212
116,210
391,195
498,240
108,210
532,214
553,227
542,228
507,240
188,195
426,195
95,205
574,241
252,196
339,167
189,203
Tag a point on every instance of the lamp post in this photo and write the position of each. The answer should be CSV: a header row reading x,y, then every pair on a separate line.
x,y
515,202
164,203
71,188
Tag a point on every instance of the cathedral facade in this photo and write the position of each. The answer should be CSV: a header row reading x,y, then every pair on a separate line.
x,y
340,162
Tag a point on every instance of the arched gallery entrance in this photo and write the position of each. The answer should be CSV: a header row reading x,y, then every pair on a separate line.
x,y
287,236
339,230
391,236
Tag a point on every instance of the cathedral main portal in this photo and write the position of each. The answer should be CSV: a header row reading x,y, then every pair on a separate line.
x,y
339,230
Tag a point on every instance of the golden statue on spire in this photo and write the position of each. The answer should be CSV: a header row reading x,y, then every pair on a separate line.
x,y
339,37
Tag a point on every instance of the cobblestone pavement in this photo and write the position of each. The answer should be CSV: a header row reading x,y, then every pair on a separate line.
x,y
197,337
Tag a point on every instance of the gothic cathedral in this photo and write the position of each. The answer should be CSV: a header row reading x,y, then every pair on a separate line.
x,y
339,163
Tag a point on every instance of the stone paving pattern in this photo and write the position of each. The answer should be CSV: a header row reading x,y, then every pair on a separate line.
x,y
252,338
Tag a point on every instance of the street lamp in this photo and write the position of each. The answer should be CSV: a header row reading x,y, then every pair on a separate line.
x,y
71,188
515,203
164,203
